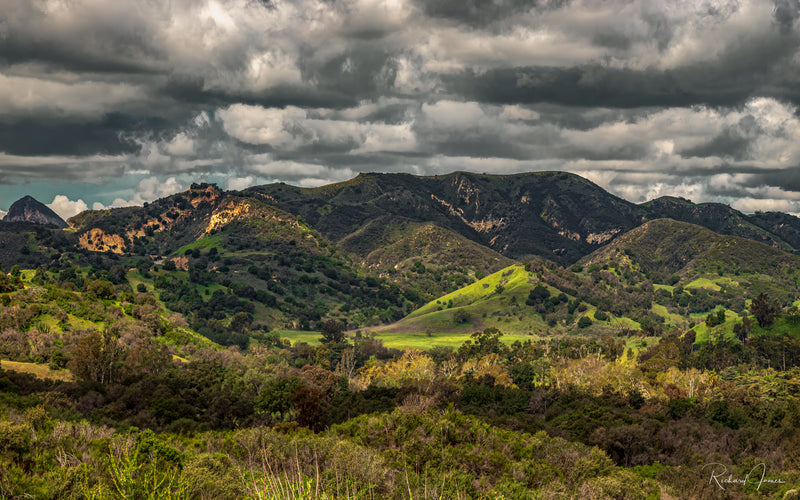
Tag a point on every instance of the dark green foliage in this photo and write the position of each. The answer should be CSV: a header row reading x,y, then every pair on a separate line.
x,y
332,331
101,288
461,316
764,309
482,343
715,318
538,295
742,330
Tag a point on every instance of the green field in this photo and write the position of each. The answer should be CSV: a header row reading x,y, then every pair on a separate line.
x,y
402,340
202,244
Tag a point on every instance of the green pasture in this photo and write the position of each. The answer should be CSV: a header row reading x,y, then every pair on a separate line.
x,y
404,340
206,243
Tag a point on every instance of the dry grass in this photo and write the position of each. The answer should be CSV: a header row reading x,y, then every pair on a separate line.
x,y
41,371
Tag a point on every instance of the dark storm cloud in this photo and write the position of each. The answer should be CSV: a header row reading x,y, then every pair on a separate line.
x,y
788,179
477,13
786,13
757,71
728,144
114,38
29,137
641,96
193,93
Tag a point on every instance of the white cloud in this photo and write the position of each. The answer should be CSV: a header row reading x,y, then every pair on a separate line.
x,y
765,205
239,183
722,182
147,190
258,125
517,112
153,188
25,96
291,128
2,213
180,145
454,115
700,36
454,49
296,172
66,208
659,138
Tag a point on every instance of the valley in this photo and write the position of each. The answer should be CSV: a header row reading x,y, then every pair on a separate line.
x,y
396,336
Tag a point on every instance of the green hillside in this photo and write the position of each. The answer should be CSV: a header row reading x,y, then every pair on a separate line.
x,y
665,276
435,259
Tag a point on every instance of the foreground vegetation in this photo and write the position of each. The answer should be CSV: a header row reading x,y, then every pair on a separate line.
x,y
142,407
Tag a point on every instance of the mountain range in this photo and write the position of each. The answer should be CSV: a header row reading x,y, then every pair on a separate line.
x,y
376,248
554,215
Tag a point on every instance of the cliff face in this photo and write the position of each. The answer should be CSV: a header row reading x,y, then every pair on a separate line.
x,y
27,209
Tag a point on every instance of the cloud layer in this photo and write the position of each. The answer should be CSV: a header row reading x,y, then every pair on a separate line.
x,y
647,98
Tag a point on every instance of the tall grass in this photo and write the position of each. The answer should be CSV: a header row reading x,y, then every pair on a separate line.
x,y
273,482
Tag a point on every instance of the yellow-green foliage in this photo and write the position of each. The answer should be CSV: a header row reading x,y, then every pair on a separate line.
x,y
38,370
711,284
509,278
202,244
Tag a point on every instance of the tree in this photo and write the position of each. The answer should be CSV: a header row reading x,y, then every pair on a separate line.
x,y
96,357
101,288
742,330
461,316
483,343
764,309
241,321
537,295
332,331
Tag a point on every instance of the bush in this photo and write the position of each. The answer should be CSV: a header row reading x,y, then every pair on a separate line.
x,y
461,316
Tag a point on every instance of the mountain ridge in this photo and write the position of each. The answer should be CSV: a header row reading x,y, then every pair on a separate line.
x,y
28,209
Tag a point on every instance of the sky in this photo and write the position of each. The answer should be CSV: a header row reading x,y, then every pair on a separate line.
x,y
116,103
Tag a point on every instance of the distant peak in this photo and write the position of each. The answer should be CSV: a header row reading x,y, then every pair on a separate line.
x,y
29,209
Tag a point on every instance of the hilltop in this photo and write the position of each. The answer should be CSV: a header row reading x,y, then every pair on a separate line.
x,y
27,209
556,215
553,215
